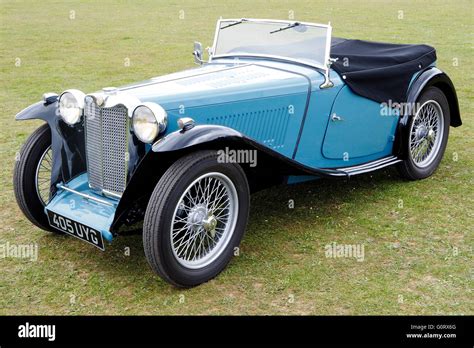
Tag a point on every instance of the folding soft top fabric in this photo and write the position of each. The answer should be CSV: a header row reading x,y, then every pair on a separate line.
x,y
379,71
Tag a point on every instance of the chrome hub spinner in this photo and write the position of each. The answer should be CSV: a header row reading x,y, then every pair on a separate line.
x,y
196,216
421,132
199,216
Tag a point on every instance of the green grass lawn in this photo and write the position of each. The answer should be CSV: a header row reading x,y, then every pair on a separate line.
x,y
417,236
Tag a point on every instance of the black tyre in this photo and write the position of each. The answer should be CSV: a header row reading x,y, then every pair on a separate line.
x,y
31,177
196,217
427,135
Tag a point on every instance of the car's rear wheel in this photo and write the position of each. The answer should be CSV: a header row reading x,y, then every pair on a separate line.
x,y
195,218
32,177
427,136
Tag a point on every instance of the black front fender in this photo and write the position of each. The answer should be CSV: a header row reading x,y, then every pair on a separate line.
x,y
195,136
67,142
218,137
39,111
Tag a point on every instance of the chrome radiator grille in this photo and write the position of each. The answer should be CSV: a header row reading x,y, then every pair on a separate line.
x,y
106,147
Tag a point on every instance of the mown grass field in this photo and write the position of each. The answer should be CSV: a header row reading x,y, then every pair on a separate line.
x,y
417,236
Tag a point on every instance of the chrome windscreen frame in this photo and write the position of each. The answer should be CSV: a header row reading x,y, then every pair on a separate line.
x,y
325,68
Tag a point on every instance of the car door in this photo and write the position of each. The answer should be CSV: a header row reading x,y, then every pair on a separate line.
x,y
358,127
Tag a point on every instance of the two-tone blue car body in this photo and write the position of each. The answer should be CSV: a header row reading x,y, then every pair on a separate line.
x,y
277,102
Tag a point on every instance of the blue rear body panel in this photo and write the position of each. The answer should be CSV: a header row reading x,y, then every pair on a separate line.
x,y
363,131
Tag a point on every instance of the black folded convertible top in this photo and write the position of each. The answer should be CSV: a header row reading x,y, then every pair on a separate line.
x,y
379,71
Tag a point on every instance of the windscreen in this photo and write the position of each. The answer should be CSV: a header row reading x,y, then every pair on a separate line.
x,y
306,43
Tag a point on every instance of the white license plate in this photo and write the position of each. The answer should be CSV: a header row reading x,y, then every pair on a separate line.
x,y
76,229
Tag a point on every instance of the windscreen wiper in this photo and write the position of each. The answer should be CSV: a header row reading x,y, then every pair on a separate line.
x,y
295,24
232,24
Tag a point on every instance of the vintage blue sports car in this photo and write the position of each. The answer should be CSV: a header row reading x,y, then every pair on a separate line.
x,y
178,155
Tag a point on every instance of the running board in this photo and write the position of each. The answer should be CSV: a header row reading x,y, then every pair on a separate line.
x,y
368,167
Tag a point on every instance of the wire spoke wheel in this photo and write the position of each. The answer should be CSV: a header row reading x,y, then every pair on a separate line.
x,y
426,134
204,220
32,177
43,176
195,218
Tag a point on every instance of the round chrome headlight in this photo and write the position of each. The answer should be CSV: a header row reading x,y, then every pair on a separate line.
x,y
71,106
149,120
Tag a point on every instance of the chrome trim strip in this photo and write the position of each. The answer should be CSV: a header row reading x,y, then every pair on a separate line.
x,y
374,168
271,56
327,60
85,195
111,194
216,35
370,166
328,46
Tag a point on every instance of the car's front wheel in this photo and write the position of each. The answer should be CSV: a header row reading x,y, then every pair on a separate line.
x,y
32,177
195,219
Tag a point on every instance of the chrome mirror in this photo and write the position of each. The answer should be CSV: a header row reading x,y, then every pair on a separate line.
x,y
197,53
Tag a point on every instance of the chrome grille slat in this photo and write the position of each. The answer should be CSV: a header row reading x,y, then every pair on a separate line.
x,y
93,145
106,147
114,142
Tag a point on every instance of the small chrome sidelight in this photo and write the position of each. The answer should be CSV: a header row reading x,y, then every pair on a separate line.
x,y
50,97
185,123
